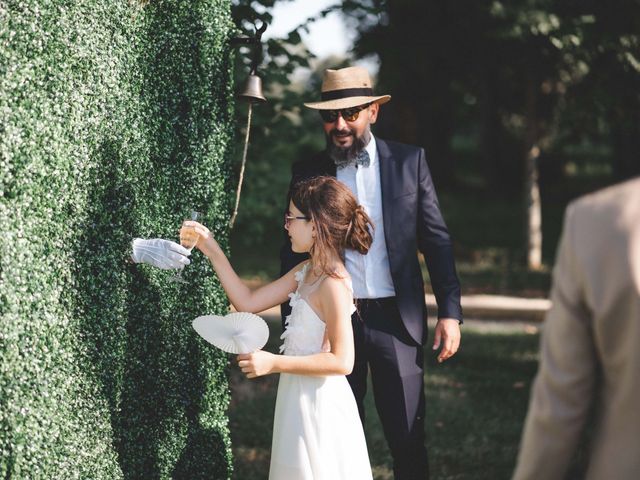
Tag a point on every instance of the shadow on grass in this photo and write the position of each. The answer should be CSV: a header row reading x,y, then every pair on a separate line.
x,y
476,404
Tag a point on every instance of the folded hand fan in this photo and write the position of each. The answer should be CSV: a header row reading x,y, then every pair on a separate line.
x,y
239,332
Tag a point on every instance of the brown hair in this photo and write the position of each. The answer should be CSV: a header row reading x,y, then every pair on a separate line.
x,y
339,220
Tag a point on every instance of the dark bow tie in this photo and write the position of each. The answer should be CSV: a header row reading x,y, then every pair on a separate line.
x,y
363,158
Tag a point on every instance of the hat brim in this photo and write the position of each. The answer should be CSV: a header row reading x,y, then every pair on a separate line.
x,y
348,102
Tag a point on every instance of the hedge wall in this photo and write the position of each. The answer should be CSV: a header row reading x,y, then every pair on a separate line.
x,y
115,118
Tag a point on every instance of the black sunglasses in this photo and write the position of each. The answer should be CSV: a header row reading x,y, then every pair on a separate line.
x,y
348,114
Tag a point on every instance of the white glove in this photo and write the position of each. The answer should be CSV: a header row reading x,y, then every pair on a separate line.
x,y
160,253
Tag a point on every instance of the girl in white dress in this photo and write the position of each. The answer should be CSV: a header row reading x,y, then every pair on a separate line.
x,y
317,433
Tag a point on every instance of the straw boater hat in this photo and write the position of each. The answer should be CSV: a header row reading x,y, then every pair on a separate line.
x,y
345,88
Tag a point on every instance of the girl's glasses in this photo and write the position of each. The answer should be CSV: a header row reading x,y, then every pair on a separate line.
x,y
288,218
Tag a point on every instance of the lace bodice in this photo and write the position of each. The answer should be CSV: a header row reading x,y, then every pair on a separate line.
x,y
304,331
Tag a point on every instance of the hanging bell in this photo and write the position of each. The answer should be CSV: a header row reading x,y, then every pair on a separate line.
x,y
253,90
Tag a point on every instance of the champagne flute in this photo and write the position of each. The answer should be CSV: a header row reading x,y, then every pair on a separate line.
x,y
187,243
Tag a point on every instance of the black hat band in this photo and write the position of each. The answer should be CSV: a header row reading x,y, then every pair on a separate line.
x,y
346,93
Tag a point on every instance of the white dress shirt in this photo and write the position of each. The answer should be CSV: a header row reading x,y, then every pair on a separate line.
x,y
370,273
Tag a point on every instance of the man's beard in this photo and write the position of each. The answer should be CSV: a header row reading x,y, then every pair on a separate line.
x,y
343,156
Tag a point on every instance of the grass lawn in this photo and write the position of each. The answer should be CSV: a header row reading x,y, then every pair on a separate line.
x,y
476,404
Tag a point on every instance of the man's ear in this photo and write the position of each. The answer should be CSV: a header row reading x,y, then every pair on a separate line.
x,y
374,108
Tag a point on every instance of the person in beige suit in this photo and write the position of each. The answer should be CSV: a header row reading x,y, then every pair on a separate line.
x,y
590,346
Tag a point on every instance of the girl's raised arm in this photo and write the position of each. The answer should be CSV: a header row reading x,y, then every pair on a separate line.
x,y
242,297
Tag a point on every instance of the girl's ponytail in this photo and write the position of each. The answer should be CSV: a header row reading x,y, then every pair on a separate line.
x,y
358,236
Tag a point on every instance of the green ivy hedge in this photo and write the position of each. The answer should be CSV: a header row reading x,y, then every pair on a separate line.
x,y
115,118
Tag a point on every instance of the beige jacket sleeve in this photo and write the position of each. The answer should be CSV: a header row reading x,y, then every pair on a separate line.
x,y
564,384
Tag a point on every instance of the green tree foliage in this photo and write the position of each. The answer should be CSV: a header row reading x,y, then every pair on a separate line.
x,y
604,107
282,131
115,118
521,83
507,74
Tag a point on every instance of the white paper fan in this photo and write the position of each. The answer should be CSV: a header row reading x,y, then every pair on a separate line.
x,y
240,332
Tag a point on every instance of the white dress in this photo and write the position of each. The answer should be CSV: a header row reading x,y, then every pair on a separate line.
x,y
317,433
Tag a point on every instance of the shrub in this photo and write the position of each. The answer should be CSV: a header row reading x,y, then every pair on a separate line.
x,y
115,118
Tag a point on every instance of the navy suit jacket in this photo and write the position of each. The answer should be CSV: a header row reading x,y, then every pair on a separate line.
x,y
412,222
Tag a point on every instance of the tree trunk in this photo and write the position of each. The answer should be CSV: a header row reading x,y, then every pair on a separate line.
x,y
533,204
534,210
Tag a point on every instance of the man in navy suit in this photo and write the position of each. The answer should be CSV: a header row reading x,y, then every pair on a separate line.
x,y
392,182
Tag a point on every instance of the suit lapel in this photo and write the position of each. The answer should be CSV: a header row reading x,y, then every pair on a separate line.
x,y
386,187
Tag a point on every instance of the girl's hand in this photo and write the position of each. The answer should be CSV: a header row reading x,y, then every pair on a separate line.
x,y
193,231
257,363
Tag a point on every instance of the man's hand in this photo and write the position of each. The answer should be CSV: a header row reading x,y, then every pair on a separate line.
x,y
447,333
160,253
256,364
